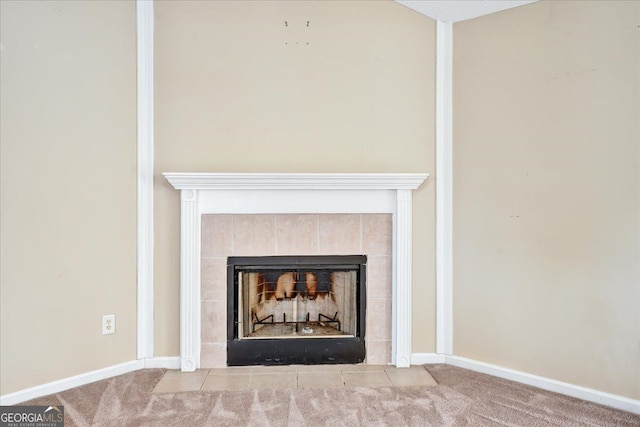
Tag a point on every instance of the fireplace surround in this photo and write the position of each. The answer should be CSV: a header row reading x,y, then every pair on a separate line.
x,y
273,193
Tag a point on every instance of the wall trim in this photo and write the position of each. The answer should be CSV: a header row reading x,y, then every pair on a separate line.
x,y
144,28
584,393
70,382
591,395
88,378
444,188
426,358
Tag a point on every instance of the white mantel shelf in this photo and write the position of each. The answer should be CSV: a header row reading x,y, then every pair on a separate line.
x,y
295,193
295,181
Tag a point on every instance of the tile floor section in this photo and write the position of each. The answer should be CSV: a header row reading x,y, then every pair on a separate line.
x,y
294,376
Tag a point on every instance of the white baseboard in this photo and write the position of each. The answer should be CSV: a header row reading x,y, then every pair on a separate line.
x,y
426,358
89,377
591,395
608,399
67,383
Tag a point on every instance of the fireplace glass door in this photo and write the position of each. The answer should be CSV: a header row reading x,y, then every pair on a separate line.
x,y
296,309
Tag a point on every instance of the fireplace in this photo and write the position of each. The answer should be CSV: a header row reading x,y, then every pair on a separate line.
x,y
296,310
231,196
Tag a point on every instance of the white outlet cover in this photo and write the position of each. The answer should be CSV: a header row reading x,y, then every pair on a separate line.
x,y
108,324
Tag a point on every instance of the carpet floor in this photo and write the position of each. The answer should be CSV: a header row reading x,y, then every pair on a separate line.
x,y
461,398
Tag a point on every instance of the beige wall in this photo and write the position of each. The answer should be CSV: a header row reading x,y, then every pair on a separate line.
x,y
546,192
547,235
68,189
238,91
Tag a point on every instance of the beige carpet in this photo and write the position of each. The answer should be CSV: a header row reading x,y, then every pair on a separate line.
x,y
461,398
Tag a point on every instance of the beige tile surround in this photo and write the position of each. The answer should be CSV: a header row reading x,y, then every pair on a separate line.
x,y
297,234
293,376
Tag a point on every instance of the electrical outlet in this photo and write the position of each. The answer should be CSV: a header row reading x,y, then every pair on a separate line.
x,y
108,324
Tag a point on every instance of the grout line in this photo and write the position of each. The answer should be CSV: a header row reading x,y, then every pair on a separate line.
x,y
388,377
275,233
233,233
318,233
361,233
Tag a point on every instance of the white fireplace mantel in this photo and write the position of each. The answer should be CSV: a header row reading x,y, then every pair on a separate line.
x,y
295,193
295,181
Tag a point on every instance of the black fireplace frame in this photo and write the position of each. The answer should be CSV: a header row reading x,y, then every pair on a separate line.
x,y
298,351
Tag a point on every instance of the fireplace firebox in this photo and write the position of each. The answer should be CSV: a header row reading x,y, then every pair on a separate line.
x,y
296,310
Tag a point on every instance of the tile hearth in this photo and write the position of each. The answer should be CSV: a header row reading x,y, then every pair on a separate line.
x,y
293,376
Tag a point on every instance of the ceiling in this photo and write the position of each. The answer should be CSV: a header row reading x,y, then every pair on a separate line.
x,y
460,10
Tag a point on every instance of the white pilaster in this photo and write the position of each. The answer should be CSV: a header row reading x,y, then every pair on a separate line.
x,y
144,27
189,281
444,189
402,285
